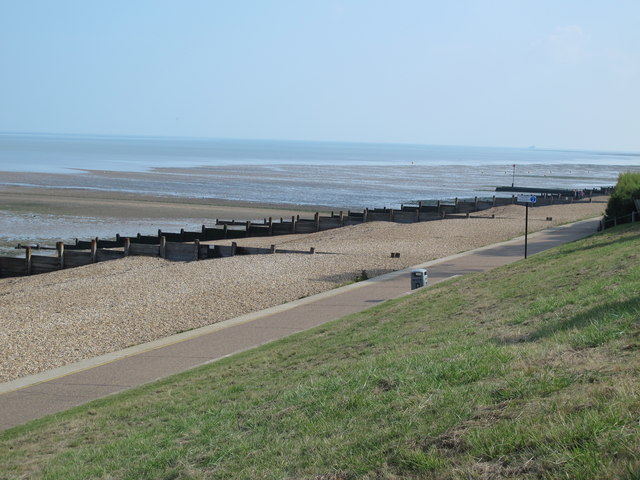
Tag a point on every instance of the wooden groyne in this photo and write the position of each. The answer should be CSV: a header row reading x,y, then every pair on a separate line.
x,y
70,256
191,246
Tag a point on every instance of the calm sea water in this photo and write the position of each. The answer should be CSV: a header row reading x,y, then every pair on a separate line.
x,y
341,175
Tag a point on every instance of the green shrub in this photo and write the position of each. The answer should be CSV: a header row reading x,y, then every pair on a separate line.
x,y
621,201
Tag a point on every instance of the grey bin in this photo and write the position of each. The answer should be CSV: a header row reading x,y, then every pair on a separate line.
x,y
419,278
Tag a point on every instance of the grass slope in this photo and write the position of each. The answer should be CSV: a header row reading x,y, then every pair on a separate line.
x,y
528,371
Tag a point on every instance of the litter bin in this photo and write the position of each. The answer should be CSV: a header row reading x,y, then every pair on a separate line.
x,y
419,278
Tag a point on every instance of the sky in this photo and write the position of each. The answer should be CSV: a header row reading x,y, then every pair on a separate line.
x,y
514,73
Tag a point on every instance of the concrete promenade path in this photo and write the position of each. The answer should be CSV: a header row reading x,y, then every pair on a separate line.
x,y
38,395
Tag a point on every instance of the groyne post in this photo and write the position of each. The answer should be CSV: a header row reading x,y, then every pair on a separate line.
x,y
94,250
163,247
127,246
60,249
27,256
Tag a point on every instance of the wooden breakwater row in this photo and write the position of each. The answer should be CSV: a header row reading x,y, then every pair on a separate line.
x,y
76,256
188,246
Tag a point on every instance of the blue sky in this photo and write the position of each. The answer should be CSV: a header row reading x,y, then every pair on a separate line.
x,y
550,73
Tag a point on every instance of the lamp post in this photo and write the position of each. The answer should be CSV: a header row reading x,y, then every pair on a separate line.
x,y
513,178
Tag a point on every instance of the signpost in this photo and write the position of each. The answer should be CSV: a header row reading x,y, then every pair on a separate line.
x,y
526,199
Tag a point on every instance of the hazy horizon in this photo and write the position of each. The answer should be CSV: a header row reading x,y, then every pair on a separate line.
x,y
241,139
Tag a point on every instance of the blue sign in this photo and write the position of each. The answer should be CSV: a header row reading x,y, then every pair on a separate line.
x,y
527,199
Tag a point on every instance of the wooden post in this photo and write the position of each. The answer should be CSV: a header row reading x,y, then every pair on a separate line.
x,y
341,218
316,219
60,248
312,250
197,244
273,249
365,215
494,200
163,247
94,251
270,226
456,205
234,247
182,234
225,230
127,246
475,204
439,208
159,233
28,260
293,224
204,229
248,228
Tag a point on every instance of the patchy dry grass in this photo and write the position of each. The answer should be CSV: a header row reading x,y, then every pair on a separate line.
x,y
528,371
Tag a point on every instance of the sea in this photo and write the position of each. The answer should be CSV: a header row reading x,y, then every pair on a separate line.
x,y
338,175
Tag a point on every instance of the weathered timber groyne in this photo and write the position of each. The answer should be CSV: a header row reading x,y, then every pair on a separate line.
x,y
190,246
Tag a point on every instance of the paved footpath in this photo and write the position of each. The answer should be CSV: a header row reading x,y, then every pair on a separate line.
x,y
38,395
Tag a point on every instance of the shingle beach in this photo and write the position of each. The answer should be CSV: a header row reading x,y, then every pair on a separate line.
x,y
58,318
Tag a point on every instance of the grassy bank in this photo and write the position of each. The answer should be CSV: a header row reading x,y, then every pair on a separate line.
x,y
528,371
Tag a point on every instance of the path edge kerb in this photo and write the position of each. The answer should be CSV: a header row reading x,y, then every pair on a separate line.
x,y
30,380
